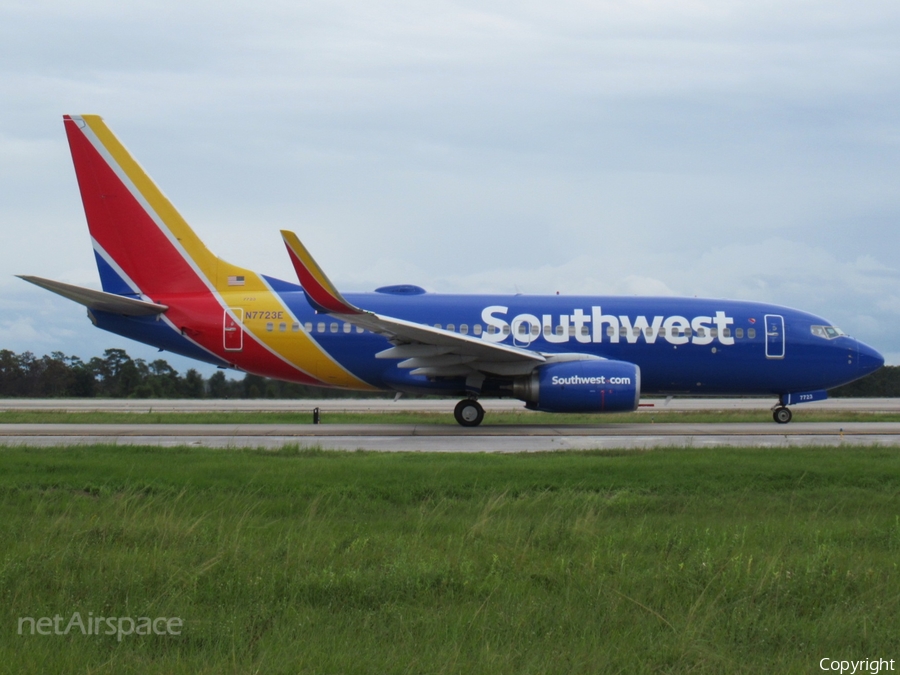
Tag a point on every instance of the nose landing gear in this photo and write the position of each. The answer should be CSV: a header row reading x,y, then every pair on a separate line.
x,y
469,412
782,415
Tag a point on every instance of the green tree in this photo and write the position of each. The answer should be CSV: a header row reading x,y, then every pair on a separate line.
x,y
163,380
52,376
10,374
218,385
82,383
118,374
883,382
193,386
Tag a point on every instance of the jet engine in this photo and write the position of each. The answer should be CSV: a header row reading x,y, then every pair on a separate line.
x,y
581,386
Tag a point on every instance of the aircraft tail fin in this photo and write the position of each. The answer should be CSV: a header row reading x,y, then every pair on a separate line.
x,y
142,244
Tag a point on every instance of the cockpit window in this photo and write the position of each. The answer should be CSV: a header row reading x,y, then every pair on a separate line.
x,y
827,332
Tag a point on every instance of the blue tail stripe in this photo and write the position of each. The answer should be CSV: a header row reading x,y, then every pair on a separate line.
x,y
110,279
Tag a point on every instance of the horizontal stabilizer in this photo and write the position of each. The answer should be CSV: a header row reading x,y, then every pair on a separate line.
x,y
99,300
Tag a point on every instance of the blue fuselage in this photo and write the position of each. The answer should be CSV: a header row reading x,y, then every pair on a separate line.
x,y
681,345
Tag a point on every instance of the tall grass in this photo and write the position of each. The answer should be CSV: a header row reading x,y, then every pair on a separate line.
x,y
701,561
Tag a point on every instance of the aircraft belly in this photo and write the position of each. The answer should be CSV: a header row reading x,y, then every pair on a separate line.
x,y
154,333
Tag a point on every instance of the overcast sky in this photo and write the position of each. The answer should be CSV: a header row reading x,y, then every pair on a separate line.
x,y
730,149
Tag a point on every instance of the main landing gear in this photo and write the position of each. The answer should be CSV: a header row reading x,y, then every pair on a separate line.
x,y
781,415
469,412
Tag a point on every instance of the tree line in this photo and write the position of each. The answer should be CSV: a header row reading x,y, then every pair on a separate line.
x,y
117,375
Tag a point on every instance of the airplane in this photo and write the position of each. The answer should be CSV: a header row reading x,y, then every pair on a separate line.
x,y
162,286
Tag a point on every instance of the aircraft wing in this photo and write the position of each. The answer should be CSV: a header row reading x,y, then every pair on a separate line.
x,y
99,300
424,349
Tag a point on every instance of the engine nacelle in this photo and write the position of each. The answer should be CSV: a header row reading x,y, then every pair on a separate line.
x,y
582,386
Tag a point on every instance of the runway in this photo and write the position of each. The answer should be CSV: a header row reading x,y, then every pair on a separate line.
x,y
451,438
441,438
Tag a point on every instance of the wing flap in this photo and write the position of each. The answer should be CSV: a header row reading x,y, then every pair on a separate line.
x,y
401,331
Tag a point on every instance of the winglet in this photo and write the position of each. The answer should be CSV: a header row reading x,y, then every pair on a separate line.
x,y
320,292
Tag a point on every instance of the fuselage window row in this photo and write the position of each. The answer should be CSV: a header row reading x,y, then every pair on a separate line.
x,y
525,328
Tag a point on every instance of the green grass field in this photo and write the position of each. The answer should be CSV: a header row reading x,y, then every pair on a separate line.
x,y
304,561
520,417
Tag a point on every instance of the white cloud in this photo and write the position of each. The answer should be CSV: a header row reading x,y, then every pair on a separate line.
x,y
742,149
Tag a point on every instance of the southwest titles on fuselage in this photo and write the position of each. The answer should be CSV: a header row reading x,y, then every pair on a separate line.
x,y
595,326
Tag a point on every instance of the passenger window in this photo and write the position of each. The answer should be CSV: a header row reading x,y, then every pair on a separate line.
x,y
321,327
610,331
451,327
438,326
739,333
751,333
308,326
585,330
295,327
623,331
347,327
506,329
559,330
492,329
726,332
270,326
464,329
476,329
688,332
714,332
571,330
523,328
282,327
333,328
535,329
360,329
662,332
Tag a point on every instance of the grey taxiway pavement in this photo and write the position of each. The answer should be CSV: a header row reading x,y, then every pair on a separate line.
x,y
450,438
443,438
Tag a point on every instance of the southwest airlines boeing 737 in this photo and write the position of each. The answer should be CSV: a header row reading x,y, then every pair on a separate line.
x,y
164,287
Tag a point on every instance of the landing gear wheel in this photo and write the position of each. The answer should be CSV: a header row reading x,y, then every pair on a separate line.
x,y
469,413
782,415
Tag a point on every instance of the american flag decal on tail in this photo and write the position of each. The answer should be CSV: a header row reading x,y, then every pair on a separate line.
x,y
236,281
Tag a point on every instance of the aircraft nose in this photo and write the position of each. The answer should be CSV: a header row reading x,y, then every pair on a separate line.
x,y
868,359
